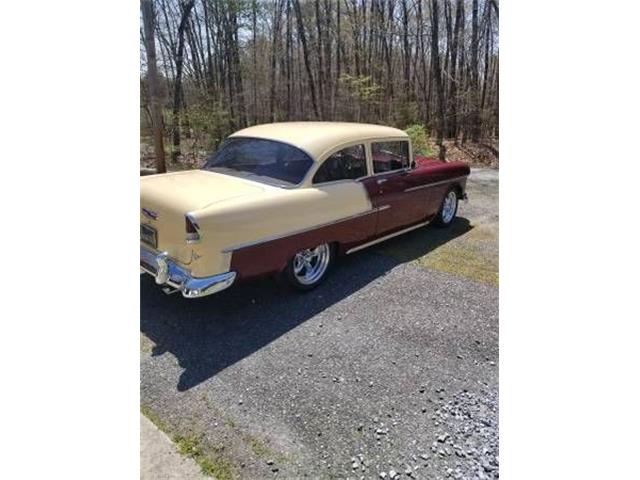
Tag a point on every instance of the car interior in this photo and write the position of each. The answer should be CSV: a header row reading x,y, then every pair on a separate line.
x,y
340,166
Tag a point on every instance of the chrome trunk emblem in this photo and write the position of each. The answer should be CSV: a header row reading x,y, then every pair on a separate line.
x,y
150,214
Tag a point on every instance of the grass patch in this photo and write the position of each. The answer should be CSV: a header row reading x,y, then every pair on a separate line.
x,y
211,464
210,460
460,250
258,447
261,450
155,419
462,260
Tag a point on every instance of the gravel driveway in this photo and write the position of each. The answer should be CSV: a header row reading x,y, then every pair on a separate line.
x,y
389,369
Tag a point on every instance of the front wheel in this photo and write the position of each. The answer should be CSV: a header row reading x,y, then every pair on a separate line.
x,y
448,210
309,267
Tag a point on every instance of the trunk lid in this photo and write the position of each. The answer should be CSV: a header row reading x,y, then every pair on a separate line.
x,y
165,199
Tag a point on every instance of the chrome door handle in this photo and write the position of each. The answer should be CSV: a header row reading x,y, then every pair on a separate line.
x,y
382,180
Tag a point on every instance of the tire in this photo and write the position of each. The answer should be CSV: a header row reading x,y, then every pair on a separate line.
x,y
308,268
448,210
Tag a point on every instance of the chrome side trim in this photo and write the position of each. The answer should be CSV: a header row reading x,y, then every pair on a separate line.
x,y
336,182
386,237
389,172
304,230
435,184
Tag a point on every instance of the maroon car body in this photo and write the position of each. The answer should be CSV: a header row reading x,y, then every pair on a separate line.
x,y
403,200
288,198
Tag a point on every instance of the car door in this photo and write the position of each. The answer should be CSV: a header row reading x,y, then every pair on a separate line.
x,y
348,165
390,187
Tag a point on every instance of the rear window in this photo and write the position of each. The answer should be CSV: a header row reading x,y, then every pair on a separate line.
x,y
261,160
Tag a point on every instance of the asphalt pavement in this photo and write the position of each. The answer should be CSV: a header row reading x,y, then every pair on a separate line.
x,y
388,370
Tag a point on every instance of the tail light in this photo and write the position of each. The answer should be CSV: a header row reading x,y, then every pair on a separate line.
x,y
191,227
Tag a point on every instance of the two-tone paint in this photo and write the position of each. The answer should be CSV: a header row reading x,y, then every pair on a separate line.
x,y
400,201
252,228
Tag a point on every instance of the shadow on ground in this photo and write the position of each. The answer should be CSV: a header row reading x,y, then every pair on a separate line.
x,y
207,335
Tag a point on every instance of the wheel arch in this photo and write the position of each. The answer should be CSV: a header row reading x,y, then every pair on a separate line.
x,y
459,189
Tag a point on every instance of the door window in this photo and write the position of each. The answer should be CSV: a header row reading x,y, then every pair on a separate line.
x,y
390,156
348,163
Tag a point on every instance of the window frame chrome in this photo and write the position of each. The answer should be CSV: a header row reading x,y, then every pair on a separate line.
x,y
397,170
328,156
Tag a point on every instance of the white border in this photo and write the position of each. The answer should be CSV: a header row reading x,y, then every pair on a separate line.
x,y
69,196
569,239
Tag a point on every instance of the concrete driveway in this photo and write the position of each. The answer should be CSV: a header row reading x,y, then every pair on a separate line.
x,y
388,370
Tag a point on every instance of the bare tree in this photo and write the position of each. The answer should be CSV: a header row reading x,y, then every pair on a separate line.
x,y
225,63
437,77
177,89
307,61
474,126
148,18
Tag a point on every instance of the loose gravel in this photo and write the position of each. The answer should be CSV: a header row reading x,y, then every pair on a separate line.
x,y
388,370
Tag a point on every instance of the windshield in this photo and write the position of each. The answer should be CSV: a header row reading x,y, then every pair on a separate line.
x,y
261,160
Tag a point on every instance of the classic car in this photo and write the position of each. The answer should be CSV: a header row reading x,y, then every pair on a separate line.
x,y
288,199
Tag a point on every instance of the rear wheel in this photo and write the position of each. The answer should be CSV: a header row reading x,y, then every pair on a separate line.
x,y
448,210
309,267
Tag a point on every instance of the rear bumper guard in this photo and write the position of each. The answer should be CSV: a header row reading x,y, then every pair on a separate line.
x,y
167,272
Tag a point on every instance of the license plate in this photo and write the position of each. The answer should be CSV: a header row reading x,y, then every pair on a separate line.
x,y
148,235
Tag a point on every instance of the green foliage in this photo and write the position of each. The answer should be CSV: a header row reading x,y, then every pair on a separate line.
x,y
406,113
361,87
213,465
209,121
211,461
420,140
155,419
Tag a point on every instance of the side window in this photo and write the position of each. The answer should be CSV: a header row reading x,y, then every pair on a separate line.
x,y
348,163
389,156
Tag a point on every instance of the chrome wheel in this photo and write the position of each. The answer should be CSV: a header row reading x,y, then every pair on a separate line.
x,y
310,265
449,207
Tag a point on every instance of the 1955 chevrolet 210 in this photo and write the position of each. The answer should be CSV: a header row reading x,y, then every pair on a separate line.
x,y
288,199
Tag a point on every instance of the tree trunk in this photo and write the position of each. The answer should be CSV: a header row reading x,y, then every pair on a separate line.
x,y
148,18
277,15
254,12
406,92
177,88
338,59
320,55
452,124
475,104
289,60
305,53
437,77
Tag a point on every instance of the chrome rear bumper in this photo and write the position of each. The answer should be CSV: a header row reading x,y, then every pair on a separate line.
x,y
167,272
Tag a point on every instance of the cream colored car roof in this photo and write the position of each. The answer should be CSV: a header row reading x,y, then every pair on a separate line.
x,y
317,138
